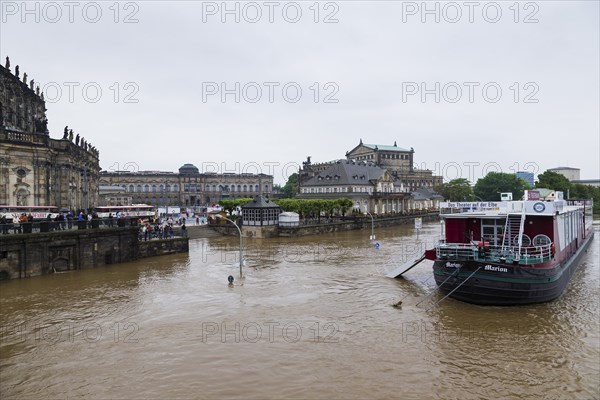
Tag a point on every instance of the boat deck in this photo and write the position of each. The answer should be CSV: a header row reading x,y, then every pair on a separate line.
x,y
504,254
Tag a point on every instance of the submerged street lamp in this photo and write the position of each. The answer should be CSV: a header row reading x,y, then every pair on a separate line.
x,y
372,237
241,240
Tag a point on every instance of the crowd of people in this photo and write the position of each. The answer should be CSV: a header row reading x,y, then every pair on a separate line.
x,y
25,223
149,228
157,228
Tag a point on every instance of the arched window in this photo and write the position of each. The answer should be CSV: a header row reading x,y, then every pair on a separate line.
x,y
139,188
146,188
131,188
239,188
245,188
233,188
167,188
207,188
267,188
214,188
249,188
154,188
176,188
161,188
256,189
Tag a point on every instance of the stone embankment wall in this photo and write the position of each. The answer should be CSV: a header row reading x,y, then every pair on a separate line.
x,y
153,248
329,227
26,255
362,223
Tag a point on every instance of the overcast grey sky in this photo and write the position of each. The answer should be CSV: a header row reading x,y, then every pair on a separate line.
x,y
471,86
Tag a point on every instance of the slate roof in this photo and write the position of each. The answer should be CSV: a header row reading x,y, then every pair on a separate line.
x,y
345,172
424,193
260,202
384,147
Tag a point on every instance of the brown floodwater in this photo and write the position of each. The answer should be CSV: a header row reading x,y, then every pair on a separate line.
x,y
313,318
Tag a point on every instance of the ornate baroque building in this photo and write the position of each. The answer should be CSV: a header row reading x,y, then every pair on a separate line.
x,y
377,178
398,161
36,170
189,187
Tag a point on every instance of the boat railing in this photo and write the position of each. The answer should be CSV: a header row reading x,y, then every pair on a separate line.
x,y
478,252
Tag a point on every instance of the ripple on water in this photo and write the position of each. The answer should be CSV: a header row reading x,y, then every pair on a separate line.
x,y
313,318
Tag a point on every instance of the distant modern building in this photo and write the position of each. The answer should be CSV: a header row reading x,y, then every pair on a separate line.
x,y
188,187
35,169
572,174
527,177
589,182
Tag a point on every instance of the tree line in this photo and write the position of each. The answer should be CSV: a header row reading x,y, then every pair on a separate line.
x,y
489,188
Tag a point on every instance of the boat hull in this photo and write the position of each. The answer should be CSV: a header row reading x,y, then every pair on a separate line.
x,y
488,283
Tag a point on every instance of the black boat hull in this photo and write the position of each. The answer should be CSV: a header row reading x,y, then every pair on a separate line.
x,y
502,284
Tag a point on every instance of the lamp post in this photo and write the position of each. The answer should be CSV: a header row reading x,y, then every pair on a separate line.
x,y
372,227
241,240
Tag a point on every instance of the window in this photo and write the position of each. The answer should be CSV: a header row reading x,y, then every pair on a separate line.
x,y
541,240
186,187
250,188
239,188
154,188
131,188
139,188
161,188
266,188
207,188
167,188
146,189
256,189
245,188
176,188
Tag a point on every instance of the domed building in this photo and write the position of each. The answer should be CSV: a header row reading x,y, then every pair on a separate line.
x,y
188,187
189,169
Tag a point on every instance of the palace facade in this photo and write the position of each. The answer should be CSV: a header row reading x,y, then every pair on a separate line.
x,y
188,187
378,178
398,161
35,169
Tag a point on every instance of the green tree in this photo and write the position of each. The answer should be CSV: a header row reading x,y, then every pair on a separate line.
x,y
489,187
344,204
456,190
552,180
290,189
231,204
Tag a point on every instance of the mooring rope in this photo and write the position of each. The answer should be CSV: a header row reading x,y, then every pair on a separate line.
x,y
436,289
456,288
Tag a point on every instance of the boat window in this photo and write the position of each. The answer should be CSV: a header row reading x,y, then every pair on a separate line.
x,y
541,240
525,242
